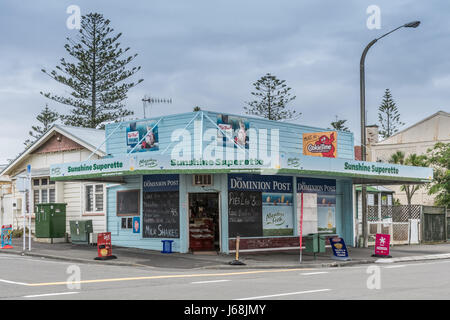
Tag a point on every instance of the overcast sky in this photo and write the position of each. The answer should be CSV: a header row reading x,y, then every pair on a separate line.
x,y
208,53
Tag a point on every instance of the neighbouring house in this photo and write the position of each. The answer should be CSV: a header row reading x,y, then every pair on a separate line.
x,y
61,144
417,139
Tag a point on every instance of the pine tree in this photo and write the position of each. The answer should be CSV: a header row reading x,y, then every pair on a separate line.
x,y
47,118
339,125
97,76
388,116
272,96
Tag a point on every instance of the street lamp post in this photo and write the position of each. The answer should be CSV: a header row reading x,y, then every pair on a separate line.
x,y
413,24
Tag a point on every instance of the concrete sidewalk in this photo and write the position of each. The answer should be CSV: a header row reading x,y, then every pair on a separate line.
x,y
259,260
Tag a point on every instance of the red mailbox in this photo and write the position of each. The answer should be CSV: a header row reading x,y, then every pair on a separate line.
x,y
104,247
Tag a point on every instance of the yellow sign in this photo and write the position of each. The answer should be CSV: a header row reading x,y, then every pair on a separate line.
x,y
320,144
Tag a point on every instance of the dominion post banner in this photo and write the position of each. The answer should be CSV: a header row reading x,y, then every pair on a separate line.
x,y
320,144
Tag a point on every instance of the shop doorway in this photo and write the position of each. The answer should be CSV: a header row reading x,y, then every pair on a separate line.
x,y
204,222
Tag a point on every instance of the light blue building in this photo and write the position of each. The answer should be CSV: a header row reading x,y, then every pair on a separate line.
x,y
203,178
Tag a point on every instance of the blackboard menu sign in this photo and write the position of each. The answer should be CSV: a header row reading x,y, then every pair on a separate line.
x,y
128,203
244,214
160,215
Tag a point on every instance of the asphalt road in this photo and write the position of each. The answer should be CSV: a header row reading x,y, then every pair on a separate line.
x,y
26,278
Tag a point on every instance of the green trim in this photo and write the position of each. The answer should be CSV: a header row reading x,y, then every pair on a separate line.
x,y
266,171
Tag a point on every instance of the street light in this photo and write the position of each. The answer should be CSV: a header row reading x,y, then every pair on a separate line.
x,y
413,24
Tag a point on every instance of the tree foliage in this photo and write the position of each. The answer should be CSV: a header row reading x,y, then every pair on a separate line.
x,y
388,116
96,77
439,160
271,99
47,118
339,125
412,160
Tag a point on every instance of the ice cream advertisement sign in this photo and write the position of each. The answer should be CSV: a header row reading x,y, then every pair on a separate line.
x,y
320,144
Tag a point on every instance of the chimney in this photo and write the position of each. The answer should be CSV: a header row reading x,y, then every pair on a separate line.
x,y
371,139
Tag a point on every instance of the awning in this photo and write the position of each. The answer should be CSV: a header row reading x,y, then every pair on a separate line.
x,y
360,172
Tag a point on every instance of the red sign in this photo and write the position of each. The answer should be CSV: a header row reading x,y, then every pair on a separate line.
x,y
382,242
104,247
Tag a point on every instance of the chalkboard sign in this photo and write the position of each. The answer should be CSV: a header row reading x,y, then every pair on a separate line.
x,y
128,203
160,215
244,214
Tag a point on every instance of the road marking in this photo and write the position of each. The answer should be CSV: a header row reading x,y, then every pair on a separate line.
x,y
394,267
312,273
50,294
197,275
212,281
13,282
285,294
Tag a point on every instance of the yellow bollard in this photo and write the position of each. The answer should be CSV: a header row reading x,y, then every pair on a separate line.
x,y
236,262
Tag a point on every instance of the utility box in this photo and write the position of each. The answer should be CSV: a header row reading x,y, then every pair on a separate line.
x,y
50,220
315,243
80,231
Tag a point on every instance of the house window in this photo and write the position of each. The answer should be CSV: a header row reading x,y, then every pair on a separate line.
x,y
94,202
43,191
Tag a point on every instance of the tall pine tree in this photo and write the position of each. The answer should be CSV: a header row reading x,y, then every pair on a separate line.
x,y
388,116
272,97
339,125
47,118
97,76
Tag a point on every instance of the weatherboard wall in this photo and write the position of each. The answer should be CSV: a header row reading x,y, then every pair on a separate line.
x,y
290,134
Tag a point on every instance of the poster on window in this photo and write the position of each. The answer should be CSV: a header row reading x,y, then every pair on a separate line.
x,y
319,204
326,213
232,132
142,136
309,213
277,214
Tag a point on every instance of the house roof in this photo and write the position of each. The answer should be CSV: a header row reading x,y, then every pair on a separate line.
x,y
394,136
91,139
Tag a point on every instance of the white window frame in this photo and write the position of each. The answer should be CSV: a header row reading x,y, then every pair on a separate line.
x,y
95,211
40,188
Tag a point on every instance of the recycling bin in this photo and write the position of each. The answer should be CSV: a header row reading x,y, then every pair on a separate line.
x,y
315,243
80,231
50,220
167,246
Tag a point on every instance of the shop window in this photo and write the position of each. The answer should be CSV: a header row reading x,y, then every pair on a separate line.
x,y
94,198
127,223
202,179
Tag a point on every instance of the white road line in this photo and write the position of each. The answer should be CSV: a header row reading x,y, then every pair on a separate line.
x,y
285,294
13,282
394,267
50,294
212,281
312,273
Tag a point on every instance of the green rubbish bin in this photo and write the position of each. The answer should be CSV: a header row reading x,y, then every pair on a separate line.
x,y
315,243
50,220
80,231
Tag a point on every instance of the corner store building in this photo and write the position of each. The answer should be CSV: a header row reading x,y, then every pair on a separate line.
x,y
176,177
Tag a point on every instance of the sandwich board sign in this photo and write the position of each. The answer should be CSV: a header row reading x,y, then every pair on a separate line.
x,y
339,248
382,242
6,235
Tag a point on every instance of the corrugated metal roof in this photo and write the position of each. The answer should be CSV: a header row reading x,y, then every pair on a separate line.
x,y
93,137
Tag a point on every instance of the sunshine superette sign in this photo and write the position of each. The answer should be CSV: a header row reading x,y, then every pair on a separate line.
x,y
146,163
